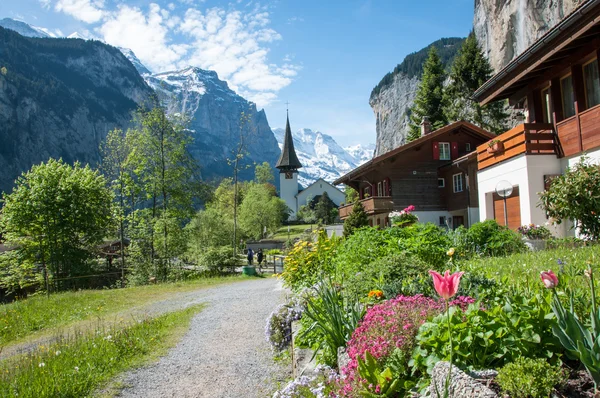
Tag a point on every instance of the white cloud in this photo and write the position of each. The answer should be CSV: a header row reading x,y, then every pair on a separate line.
x,y
145,34
89,11
46,3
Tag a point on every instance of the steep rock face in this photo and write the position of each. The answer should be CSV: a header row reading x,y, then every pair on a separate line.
x,y
59,98
392,112
393,97
218,116
505,29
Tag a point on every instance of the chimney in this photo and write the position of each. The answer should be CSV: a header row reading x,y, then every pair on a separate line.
x,y
425,126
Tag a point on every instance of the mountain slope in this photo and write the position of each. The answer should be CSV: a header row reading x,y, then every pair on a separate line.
x,y
24,29
59,98
322,157
218,117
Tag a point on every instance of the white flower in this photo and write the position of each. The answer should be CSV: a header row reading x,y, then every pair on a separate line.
x,y
42,364
108,338
57,353
76,368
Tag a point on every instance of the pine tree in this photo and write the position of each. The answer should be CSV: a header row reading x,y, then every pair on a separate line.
x,y
429,100
358,218
469,71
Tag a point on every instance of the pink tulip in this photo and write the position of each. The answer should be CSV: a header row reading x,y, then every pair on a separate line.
x,y
446,286
549,278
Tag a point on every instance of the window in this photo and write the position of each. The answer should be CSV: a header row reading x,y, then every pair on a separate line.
x,y
385,188
441,182
367,191
457,182
546,110
468,147
442,221
592,83
444,150
379,189
568,96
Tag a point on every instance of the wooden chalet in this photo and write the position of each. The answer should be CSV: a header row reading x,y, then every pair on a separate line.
x,y
436,173
556,84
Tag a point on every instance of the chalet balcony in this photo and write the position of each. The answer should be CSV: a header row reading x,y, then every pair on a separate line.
x,y
374,205
527,138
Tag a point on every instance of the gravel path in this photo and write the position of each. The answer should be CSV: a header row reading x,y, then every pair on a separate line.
x,y
224,354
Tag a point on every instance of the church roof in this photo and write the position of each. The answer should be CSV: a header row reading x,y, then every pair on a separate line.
x,y
288,159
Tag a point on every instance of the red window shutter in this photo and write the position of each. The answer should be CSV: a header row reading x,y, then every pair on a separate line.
x,y
454,150
436,151
389,187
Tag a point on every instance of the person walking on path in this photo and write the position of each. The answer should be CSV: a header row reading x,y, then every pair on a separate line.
x,y
250,256
259,258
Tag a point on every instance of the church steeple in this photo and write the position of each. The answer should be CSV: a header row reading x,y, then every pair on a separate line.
x,y
288,161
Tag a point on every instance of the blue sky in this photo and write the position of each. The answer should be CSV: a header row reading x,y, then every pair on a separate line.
x,y
323,56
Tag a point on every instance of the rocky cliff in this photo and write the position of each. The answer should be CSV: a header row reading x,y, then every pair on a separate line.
x,y
218,116
393,97
504,29
59,98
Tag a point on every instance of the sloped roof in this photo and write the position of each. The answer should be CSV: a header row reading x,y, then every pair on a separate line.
x,y
288,159
315,183
419,141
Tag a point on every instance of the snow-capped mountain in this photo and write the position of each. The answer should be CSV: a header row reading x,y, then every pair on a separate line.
x,y
322,157
141,68
24,29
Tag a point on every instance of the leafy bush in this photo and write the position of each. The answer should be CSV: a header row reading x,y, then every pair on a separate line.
x,y
357,219
489,338
533,231
403,218
307,262
428,242
217,258
278,331
387,333
486,238
528,377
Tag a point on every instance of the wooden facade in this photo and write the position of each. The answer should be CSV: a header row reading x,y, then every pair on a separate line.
x,y
422,172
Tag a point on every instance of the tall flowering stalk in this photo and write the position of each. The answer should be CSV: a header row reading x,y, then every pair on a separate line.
x,y
580,341
447,286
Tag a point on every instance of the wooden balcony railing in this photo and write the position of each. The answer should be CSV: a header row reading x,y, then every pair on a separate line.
x,y
374,205
528,138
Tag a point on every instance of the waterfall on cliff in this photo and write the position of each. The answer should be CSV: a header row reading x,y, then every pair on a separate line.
x,y
520,34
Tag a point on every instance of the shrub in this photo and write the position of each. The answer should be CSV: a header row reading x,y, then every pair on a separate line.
x,y
489,338
487,238
574,196
307,262
428,242
403,218
528,377
388,333
533,231
217,258
357,219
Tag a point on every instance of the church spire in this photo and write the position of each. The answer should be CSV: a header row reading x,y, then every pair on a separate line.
x,y
288,161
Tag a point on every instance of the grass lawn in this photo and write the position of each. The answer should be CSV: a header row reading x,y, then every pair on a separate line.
x,y
20,319
522,270
78,365
296,231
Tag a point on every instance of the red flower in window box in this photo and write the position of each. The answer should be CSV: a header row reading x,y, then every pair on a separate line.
x,y
495,146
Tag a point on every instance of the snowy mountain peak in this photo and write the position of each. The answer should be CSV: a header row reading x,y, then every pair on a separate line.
x,y
130,55
24,29
322,157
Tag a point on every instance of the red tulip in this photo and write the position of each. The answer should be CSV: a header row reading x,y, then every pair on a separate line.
x,y
447,285
549,278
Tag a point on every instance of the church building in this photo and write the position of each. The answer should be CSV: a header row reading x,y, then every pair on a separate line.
x,y
290,191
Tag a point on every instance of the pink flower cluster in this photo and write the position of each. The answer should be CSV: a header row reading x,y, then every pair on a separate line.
x,y
387,326
409,209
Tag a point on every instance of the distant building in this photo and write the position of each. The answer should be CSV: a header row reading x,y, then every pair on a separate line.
x,y
436,173
290,191
557,85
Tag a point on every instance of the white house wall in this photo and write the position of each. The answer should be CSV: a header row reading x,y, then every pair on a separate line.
x,y
317,189
527,172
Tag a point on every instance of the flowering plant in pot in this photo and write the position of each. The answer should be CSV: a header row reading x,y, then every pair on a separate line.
x,y
495,146
404,218
535,232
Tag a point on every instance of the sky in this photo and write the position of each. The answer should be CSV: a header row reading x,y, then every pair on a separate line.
x,y
323,57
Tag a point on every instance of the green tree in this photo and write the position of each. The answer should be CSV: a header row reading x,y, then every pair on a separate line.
x,y
357,219
351,194
469,71
575,196
429,100
263,173
209,228
167,171
323,209
57,214
261,210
